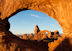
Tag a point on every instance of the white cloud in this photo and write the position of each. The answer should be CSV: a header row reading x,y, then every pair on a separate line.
x,y
52,24
24,22
35,15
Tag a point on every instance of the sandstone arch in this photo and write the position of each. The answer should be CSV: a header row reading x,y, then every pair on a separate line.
x,y
41,34
43,31
57,9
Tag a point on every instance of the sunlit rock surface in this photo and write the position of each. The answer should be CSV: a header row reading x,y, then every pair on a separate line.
x,y
56,32
25,36
10,42
36,30
63,43
31,36
55,35
49,34
57,9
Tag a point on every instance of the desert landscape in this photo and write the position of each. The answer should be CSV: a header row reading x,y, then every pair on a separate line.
x,y
59,10
41,36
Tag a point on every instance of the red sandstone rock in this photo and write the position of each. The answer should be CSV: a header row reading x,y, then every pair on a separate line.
x,y
35,37
49,34
56,32
44,36
25,36
57,9
10,42
62,44
55,35
41,35
36,30
31,36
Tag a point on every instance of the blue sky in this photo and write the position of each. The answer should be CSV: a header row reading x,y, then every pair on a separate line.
x,y
25,21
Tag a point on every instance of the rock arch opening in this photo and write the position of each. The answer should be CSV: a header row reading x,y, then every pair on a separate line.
x,y
52,8
29,18
58,9
46,33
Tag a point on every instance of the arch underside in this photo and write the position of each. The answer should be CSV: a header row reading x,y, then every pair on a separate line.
x,y
57,9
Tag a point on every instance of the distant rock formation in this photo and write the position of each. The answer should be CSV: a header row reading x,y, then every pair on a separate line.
x,y
31,36
40,35
45,35
35,37
36,30
56,32
25,37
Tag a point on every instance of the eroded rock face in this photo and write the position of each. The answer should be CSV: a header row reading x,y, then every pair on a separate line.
x,y
55,35
63,43
57,9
